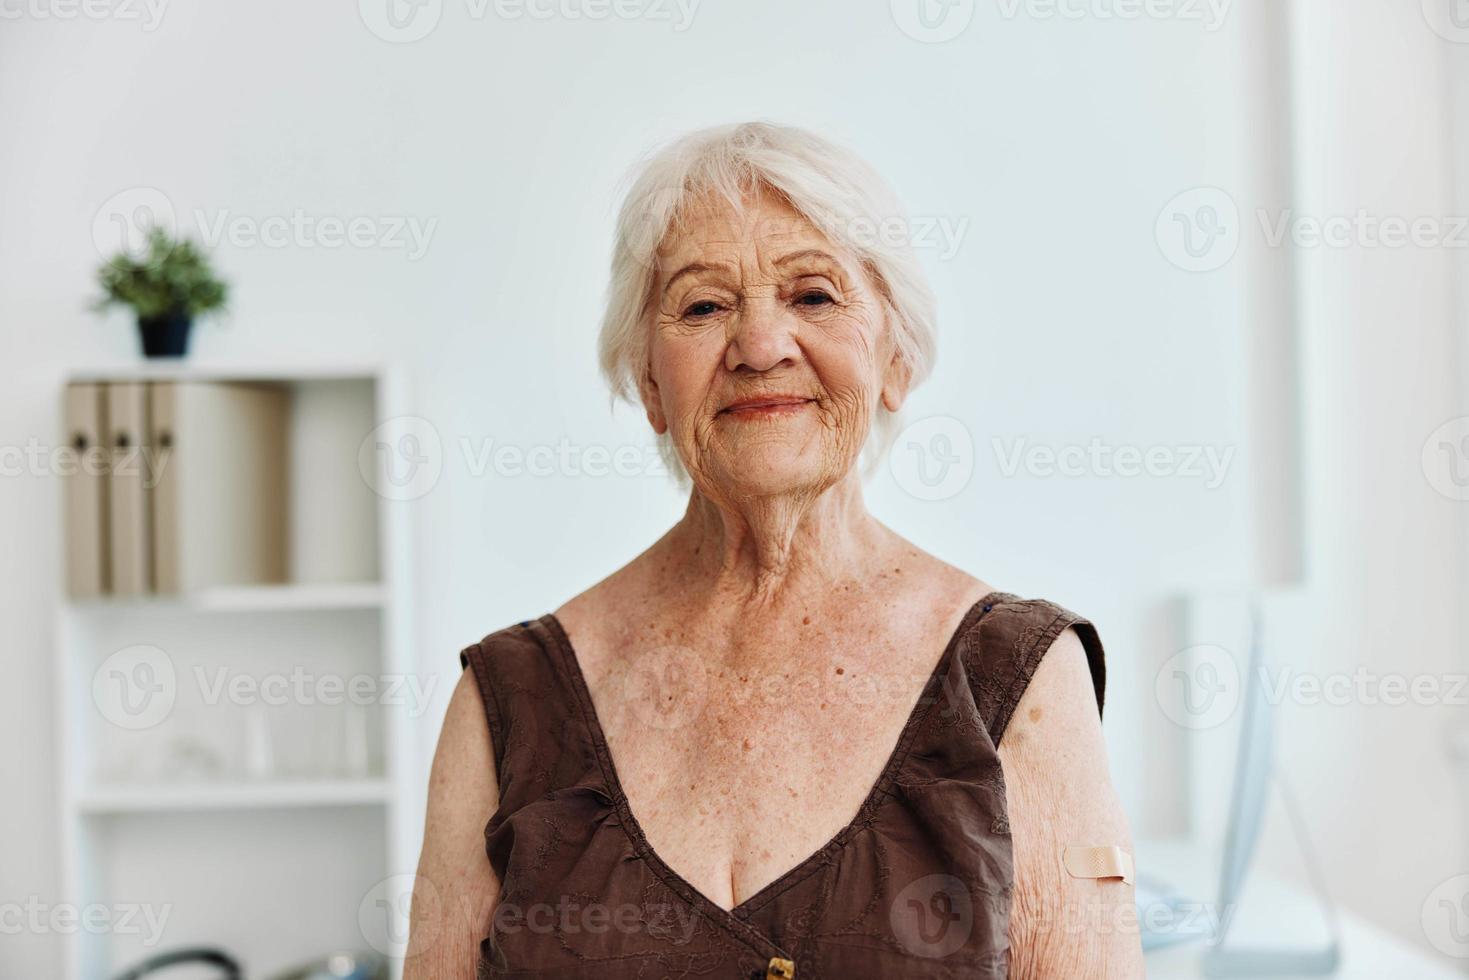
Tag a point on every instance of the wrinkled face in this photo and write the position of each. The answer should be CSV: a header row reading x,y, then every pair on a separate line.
x,y
770,350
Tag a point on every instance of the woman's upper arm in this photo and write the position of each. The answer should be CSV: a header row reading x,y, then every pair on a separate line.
x,y
455,892
1059,793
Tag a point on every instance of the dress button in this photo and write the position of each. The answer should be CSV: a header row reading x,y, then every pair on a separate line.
x,y
779,969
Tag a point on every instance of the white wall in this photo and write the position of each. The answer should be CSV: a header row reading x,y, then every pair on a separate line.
x,y
1382,352
1058,141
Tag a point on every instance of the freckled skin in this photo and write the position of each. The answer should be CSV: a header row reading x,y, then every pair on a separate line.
x,y
809,627
753,668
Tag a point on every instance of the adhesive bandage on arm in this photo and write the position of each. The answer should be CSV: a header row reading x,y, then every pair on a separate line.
x,y
1097,862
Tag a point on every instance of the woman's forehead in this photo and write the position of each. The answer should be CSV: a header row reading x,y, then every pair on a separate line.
x,y
711,224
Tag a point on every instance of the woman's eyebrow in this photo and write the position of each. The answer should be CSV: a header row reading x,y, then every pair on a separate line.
x,y
692,269
808,253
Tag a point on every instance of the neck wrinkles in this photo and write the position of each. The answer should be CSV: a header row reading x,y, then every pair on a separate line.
x,y
759,550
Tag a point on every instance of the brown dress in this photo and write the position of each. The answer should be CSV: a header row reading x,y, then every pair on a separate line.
x,y
917,885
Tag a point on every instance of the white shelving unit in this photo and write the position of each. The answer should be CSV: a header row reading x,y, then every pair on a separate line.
x,y
288,865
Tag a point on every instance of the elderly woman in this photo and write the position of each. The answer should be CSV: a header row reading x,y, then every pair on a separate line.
x,y
783,741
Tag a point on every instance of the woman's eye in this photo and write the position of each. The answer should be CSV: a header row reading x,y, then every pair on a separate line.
x,y
814,297
702,308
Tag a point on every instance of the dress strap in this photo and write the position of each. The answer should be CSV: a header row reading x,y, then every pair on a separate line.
x,y
1007,645
527,698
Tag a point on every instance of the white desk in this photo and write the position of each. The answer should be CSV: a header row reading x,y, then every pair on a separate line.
x,y
1274,913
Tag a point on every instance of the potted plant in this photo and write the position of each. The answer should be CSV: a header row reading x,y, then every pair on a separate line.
x,y
167,288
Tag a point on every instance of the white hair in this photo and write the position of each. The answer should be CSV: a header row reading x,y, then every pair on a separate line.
x,y
828,185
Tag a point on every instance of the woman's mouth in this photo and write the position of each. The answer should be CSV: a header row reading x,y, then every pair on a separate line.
x,y
770,406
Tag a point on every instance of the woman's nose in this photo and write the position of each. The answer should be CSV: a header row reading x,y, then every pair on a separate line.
x,y
763,336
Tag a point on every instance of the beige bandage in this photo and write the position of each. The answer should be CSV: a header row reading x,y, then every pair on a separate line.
x,y
1098,862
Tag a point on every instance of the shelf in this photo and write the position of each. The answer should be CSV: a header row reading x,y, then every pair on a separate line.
x,y
234,796
130,832
193,370
252,598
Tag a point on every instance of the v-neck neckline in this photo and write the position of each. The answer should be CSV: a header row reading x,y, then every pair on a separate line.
x,y
735,918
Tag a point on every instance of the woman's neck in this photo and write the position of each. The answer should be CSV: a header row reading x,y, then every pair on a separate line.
x,y
762,550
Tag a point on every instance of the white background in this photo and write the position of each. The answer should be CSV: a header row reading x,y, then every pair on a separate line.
x,y
1054,141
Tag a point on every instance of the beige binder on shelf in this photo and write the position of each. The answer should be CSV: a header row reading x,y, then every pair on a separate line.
x,y
219,507
127,510
84,410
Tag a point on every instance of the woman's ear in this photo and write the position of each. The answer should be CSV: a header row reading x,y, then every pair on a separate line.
x,y
895,381
652,403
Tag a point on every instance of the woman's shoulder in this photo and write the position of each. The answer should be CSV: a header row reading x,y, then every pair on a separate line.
x,y
1011,639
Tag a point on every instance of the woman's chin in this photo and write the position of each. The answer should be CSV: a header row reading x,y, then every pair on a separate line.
x,y
775,470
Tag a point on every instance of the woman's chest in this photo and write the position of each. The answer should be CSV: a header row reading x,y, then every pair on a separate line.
x,y
740,765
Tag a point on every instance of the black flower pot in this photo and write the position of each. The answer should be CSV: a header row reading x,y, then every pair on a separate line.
x,y
166,335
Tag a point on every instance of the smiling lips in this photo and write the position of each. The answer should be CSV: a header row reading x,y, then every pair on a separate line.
x,y
766,406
